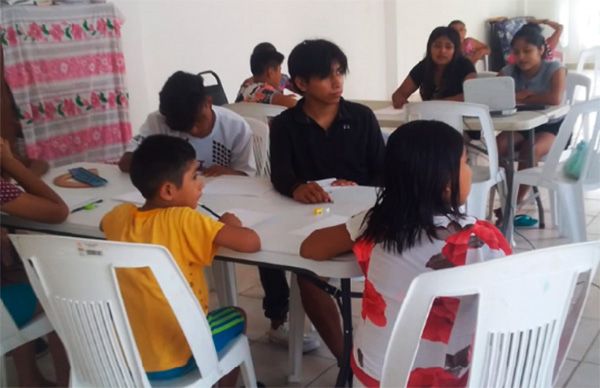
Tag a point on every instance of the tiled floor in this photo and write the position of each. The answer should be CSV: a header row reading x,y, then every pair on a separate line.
x,y
581,369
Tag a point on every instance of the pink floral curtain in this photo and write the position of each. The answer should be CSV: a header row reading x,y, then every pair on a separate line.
x,y
66,70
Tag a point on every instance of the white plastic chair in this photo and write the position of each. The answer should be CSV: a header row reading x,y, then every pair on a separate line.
x,y
260,145
551,175
572,82
528,307
591,55
76,283
582,130
11,337
484,177
263,112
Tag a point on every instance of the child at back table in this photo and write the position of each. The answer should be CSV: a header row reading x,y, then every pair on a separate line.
x,y
472,49
221,138
536,82
165,170
440,75
415,226
265,84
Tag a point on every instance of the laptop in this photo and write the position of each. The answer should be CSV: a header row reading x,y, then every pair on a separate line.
x,y
496,92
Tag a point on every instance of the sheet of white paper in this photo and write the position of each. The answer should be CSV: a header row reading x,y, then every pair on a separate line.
x,y
236,185
132,197
326,185
323,222
250,217
325,182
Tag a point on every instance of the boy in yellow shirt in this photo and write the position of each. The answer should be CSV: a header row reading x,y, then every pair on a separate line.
x,y
165,170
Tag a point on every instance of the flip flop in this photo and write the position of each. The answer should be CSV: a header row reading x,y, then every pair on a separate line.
x,y
524,221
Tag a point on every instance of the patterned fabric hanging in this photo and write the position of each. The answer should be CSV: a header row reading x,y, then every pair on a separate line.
x,y
66,70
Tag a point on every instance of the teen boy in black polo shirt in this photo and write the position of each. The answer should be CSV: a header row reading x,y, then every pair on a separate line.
x,y
323,136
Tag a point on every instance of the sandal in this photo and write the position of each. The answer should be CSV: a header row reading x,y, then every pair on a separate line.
x,y
524,221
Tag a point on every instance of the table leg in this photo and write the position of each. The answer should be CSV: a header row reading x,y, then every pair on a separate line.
x,y
344,377
343,297
296,322
507,223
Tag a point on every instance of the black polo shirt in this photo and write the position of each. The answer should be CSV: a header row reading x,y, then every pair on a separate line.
x,y
352,148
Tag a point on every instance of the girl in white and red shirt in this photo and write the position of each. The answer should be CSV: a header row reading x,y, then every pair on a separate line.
x,y
415,226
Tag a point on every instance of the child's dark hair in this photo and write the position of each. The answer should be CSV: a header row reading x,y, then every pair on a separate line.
x,y
532,34
180,100
421,159
313,58
428,85
264,46
456,21
160,158
262,60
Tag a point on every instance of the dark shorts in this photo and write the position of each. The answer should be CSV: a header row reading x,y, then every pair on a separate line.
x,y
548,127
20,301
226,324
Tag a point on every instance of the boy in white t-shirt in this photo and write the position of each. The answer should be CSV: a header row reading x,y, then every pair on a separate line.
x,y
221,138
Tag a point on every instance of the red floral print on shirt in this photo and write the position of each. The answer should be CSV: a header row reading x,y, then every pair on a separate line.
x,y
373,305
362,250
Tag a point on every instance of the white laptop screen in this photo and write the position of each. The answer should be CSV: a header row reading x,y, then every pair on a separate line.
x,y
496,92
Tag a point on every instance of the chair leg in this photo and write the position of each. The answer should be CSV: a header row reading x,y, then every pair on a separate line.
x,y
476,203
571,197
296,322
247,368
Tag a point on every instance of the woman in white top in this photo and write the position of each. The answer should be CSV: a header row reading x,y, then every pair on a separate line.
x,y
415,226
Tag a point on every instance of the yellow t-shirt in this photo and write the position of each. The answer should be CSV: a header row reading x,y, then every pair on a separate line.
x,y
189,236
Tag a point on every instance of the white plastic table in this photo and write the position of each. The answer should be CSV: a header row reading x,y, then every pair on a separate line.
x,y
280,244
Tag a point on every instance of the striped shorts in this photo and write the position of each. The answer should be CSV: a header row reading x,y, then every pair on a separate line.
x,y
226,324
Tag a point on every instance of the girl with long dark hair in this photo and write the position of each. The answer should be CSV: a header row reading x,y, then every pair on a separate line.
x,y
440,75
536,82
416,225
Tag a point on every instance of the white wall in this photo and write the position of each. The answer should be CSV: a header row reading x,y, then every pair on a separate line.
x,y
383,39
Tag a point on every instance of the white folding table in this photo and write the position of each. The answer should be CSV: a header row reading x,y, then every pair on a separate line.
x,y
281,235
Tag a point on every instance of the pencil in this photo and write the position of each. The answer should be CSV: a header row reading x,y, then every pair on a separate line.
x,y
88,206
210,210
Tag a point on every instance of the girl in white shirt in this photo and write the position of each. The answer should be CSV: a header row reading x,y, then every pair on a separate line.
x,y
415,226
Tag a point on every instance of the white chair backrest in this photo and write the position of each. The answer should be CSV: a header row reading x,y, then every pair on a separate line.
x,y
264,112
524,303
590,111
260,145
591,55
88,311
573,81
453,114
